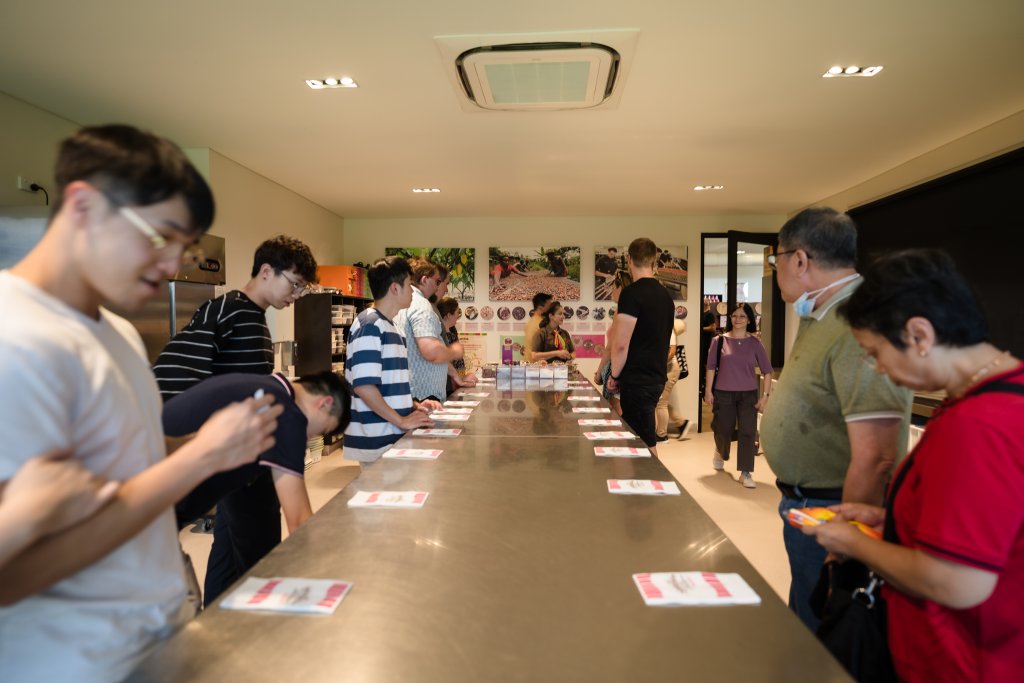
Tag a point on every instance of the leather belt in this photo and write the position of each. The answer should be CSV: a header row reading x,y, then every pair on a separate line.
x,y
801,492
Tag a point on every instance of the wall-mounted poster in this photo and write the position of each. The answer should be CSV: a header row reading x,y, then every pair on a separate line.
x,y
607,260
517,273
461,265
671,271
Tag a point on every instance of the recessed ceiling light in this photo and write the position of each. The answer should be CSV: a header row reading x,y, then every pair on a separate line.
x,y
847,71
425,189
331,82
701,188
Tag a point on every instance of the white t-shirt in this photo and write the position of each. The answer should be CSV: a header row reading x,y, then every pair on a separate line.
x,y
68,381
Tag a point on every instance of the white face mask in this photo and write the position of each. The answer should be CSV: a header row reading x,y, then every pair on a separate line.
x,y
804,305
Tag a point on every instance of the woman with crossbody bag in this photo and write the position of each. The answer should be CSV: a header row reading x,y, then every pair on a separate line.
x,y
954,573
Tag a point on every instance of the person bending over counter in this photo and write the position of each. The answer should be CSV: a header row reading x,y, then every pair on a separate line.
x,y
314,405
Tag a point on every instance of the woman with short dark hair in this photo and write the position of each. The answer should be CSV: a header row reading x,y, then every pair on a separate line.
x,y
954,523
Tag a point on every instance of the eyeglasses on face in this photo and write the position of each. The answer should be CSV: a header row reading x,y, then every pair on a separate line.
x,y
298,287
190,255
773,258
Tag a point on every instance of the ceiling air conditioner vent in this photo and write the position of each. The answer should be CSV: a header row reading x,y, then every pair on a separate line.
x,y
538,76
539,71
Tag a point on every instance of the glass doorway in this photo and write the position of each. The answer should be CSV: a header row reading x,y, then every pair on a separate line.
x,y
735,270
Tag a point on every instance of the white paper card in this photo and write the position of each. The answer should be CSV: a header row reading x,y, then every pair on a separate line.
x,y
439,416
453,409
436,432
590,422
643,487
412,453
388,499
621,452
476,394
302,596
584,398
695,588
470,404
602,436
591,409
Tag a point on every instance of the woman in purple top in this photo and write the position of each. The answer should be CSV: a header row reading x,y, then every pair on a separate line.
x,y
732,389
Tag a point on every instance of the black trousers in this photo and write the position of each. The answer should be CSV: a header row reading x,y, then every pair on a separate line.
x,y
248,526
732,407
638,405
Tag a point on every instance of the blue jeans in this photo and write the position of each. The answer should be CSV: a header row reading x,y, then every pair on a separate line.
x,y
806,558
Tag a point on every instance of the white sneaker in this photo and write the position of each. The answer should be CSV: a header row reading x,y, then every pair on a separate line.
x,y
747,481
684,430
717,462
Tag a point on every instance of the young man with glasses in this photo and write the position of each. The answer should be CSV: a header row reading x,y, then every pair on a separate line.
x,y
833,427
229,334
86,602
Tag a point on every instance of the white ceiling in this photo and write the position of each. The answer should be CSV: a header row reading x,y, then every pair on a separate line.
x,y
724,92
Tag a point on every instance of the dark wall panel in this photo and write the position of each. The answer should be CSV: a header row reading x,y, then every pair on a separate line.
x,y
976,215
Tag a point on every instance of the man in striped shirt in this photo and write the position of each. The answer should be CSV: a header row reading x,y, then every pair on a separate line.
x,y
377,365
229,334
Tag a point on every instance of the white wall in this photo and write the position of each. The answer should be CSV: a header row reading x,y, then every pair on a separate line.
x,y
366,239
28,146
250,208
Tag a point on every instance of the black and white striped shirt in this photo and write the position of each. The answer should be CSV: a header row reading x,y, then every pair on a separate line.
x,y
226,334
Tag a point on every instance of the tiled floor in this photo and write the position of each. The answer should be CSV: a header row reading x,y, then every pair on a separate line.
x,y
323,481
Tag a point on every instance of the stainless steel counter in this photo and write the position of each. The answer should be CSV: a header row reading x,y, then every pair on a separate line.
x,y
518,568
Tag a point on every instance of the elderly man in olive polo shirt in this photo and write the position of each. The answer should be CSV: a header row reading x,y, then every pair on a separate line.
x,y
833,428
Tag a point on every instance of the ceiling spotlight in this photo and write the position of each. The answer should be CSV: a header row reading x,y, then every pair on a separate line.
x,y
331,82
701,188
425,189
845,72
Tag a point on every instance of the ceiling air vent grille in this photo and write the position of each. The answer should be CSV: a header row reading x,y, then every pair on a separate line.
x,y
539,76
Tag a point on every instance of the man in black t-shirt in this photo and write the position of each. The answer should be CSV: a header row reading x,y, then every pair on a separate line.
x,y
639,339
314,405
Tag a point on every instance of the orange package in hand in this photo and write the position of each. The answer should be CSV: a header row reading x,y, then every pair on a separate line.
x,y
814,516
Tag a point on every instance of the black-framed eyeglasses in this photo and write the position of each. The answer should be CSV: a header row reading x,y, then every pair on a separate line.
x,y
298,287
191,254
773,258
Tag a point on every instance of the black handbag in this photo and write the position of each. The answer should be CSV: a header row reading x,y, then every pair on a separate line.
x,y
853,626
848,600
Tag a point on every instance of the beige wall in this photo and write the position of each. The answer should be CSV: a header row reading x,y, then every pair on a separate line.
x,y
251,208
28,145
366,239
991,141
